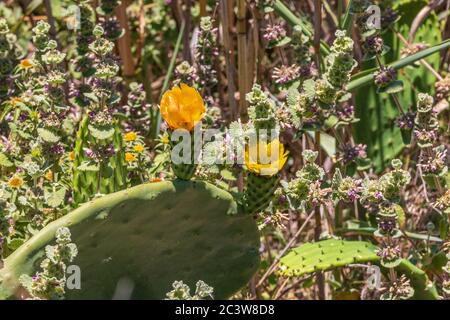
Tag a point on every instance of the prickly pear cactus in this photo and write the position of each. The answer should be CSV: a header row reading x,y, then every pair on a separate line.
x,y
151,235
185,171
331,254
326,255
259,191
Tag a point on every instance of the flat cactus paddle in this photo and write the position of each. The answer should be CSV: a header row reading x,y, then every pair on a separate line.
x,y
333,253
151,235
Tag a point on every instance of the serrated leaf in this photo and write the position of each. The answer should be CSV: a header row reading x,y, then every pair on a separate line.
x,y
292,97
4,161
88,166
101,133
47,135
91,96
227,175
309,88
15,243
56,198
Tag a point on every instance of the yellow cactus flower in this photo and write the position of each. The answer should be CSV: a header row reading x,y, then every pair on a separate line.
x,y
49,175
139,148
182,107
130,136
15,182
130,157
259,159
26,64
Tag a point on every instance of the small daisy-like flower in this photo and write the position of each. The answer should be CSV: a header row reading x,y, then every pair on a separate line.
x,y
139,148
130,157
15,182
26,64
130,136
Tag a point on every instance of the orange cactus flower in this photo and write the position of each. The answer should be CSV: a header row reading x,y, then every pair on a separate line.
x,y
182,107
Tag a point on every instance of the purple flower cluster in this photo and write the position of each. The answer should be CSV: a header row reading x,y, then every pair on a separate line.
x,y
351,153
286,74
406,121
100,153
374,45
385,76
274,33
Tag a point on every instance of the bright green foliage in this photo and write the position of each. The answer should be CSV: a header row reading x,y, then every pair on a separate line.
x,y
152,234
85,177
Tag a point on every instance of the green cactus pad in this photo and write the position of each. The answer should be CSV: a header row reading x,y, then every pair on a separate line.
x,y
333,253
259,192
326,255
151,235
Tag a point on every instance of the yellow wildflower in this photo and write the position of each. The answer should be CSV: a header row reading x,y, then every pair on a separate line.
x,y
130,136
139,148
259,159
15,182
72,155
130,157
49,175
165,139
26,64
182,107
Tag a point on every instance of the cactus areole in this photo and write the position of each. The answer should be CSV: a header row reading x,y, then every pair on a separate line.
x,y
150,235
